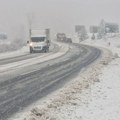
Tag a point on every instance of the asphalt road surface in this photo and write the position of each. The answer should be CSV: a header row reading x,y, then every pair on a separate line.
x,y
22,86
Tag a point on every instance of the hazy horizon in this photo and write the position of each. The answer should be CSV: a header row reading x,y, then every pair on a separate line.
x,y
59,15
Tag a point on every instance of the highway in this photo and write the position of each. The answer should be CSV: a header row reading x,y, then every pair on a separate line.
x,y
27,78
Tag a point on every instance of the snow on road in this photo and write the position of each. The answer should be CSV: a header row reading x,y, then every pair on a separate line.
x,y
32,61
23,63
93,95
22,51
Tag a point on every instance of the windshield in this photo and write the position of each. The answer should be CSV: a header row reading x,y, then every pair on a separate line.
x,y
38,39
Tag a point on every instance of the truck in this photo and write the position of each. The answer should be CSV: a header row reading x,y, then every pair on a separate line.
x,y
62,38
39,40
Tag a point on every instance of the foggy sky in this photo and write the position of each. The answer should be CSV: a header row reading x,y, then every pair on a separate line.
x,y
59,15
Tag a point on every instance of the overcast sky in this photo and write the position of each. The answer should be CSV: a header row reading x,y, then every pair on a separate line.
x,y
59,15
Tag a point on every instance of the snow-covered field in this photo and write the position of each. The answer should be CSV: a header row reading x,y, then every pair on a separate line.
x,y
9,45
92,95
112,44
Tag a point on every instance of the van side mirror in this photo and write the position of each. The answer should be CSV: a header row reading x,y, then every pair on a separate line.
x,y
27,42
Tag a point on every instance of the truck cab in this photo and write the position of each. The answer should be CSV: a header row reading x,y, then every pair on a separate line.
x,y
39,43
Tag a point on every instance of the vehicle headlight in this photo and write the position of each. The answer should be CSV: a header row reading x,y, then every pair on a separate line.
x,y
31,44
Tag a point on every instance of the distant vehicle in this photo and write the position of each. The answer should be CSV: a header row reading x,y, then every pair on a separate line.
x,y
39,40
62,38
69,40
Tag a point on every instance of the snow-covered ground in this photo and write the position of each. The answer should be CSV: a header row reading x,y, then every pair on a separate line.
x,y
92,95
112,44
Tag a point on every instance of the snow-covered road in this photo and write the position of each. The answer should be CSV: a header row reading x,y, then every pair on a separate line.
x,y
93,95
25,81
